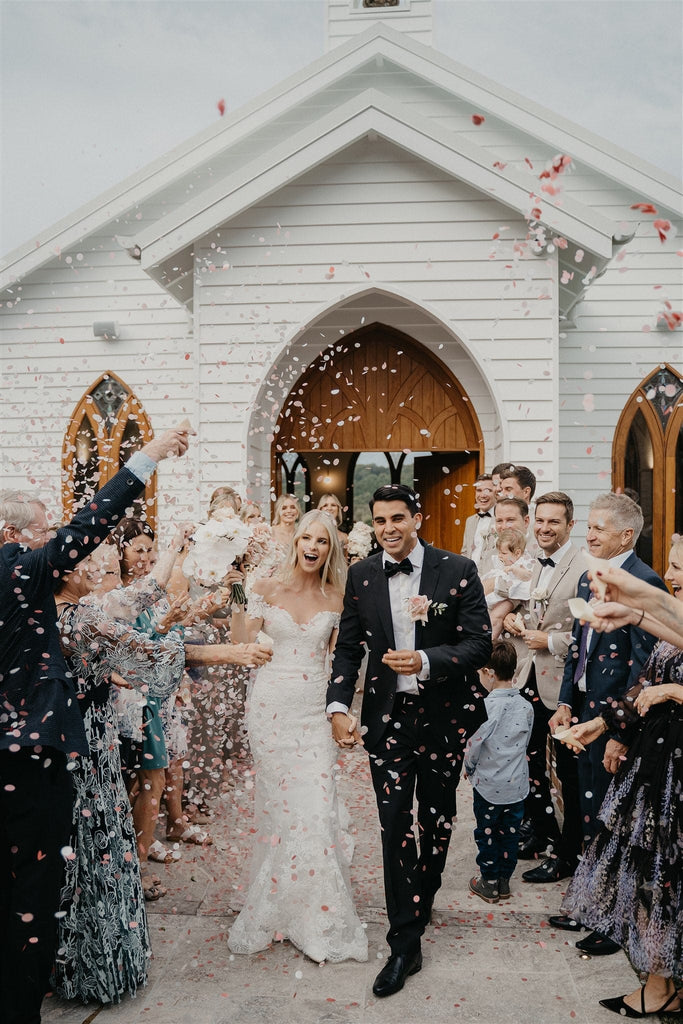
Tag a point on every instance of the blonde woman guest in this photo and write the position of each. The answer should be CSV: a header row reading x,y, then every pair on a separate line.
x,y
331,504
299,884
286,515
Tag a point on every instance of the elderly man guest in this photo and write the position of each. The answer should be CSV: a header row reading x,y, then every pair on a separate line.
x,y
41,729
603,665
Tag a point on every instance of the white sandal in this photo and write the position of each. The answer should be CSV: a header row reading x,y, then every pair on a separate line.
x,y
160,853
192,834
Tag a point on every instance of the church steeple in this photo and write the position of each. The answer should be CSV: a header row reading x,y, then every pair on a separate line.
x,y
347,18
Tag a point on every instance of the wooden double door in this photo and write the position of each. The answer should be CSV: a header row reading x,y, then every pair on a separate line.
x,y
380,391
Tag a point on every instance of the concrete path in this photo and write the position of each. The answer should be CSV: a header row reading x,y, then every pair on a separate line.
x,y
499,964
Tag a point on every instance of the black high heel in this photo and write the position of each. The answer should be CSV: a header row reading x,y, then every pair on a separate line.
x,y
617,1005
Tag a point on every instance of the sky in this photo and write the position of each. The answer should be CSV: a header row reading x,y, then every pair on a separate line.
x,y
93,90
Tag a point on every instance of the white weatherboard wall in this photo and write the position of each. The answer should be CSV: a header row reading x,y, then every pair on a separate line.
x,y
376,219
49,358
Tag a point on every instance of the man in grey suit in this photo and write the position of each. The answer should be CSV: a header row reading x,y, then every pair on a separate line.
x,y
600,666
547,635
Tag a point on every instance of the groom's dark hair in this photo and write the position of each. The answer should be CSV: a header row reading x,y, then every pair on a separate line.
x,y
397,492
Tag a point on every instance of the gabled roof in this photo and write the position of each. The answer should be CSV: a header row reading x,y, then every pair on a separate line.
x,y
377,44
371,111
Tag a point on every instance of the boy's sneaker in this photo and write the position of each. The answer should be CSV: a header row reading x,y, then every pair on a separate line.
x,y
503,888
485,888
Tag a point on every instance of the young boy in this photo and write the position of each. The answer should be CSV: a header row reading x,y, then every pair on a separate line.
x,y
497,767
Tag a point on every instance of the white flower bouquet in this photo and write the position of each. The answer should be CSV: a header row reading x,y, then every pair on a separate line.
x,y
360,540
218,545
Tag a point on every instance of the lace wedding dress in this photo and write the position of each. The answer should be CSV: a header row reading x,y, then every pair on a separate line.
x,y
298,883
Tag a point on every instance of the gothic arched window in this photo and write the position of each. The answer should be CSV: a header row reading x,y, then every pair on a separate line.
x,y
647,458
106,427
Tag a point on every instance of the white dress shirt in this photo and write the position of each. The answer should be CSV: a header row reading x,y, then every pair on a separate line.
x,y
402,586
544,581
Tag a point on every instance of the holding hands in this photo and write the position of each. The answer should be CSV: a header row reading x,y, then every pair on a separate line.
x,y
345,731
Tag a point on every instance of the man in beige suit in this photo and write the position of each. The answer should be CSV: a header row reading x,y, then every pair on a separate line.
x,y
478,526
547,635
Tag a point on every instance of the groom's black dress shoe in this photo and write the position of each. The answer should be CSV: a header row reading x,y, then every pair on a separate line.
x,y
552,869
597,944
393,975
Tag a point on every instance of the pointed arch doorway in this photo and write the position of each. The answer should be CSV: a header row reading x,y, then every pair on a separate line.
x,y
380,399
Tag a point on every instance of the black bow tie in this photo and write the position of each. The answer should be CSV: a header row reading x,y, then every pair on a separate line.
x,y
483,515
547,561
391,568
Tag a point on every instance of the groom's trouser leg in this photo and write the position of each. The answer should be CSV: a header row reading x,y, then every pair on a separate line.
x,y
438,773
393,768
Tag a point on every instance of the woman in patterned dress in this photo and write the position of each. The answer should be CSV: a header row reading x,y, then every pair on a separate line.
x,y
103,946
629,884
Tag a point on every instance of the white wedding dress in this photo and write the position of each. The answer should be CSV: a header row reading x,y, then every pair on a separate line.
x,y
298,883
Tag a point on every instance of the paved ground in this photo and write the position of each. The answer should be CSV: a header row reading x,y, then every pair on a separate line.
x,y
498,964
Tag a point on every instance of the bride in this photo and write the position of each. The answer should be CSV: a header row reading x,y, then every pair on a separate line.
x,y
299,882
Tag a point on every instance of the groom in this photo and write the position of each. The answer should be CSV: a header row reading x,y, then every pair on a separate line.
x,y
421,614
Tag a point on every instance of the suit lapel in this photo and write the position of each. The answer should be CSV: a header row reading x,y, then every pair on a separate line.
x,y
431,567
378,591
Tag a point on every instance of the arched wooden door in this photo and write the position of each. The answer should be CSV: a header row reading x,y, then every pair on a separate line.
x,y
647,459
380,391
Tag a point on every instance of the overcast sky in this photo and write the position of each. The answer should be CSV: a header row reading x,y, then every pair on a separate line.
x,y
93,90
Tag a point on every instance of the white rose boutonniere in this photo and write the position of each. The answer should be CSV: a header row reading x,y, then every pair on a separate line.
x,y
540,594
420,606
487,528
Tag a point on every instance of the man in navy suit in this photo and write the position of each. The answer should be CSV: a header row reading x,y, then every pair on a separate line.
x,y
41,729
600,666
422,615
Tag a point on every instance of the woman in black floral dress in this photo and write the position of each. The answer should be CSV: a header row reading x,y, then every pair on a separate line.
x,y
629,884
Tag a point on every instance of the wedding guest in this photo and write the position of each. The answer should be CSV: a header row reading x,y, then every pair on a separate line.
x,y
546,632
41,728
224,497
518,482
143,742
499,472
421,614
481,523
299,884
286,515
496,765
331,504
628,885
103,948
601,666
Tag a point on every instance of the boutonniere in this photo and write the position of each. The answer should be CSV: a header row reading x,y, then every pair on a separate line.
x,y
540,594
487,528
420,606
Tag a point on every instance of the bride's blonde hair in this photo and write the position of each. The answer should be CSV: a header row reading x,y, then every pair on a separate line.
x,y
334,569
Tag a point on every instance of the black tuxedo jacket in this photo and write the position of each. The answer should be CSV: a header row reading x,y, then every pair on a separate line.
x,y
456,639
38,704
614,660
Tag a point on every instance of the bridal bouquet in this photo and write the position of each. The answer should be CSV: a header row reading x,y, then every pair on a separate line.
x,y
360,540
218,544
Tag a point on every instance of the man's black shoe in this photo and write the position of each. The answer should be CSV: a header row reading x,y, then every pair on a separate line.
x,y
552,869
567,924
393,975
597,944
533,846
